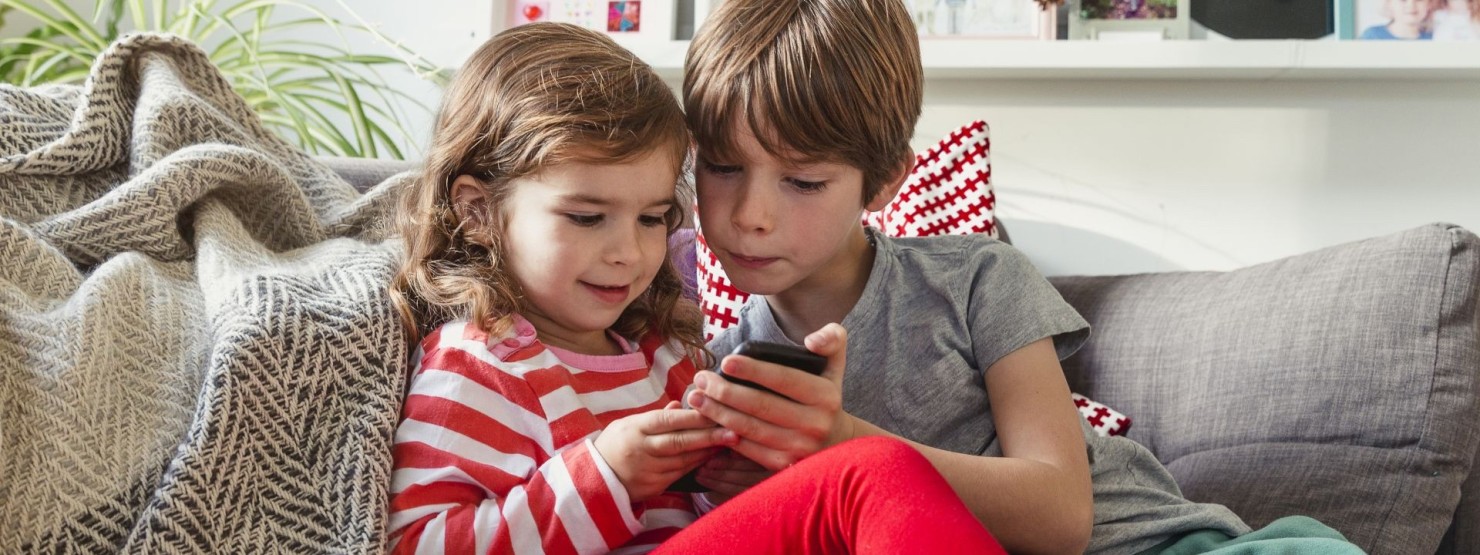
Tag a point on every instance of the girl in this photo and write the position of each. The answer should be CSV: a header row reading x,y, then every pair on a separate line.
x,y
542,412
1457,20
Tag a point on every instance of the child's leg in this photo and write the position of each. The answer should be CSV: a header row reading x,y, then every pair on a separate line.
x,y
873,495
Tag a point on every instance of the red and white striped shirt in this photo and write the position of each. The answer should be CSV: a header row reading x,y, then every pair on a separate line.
x,y
494,452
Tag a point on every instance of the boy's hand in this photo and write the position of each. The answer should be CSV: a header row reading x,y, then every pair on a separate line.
x,y
778,431
728,474
651,450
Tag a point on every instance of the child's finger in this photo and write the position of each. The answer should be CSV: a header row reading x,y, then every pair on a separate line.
x,y
721,487
787,382
772,459
680,442
771,408
743,477
832,342
770,438
670,420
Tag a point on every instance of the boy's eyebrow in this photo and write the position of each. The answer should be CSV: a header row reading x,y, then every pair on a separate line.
x,y
580,198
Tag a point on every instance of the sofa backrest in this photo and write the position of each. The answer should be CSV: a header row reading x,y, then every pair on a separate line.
x,y
1342,384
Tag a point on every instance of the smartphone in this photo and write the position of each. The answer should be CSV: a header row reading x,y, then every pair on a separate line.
x,y
775,353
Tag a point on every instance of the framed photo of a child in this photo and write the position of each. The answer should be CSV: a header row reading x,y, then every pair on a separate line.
x,y
1441,20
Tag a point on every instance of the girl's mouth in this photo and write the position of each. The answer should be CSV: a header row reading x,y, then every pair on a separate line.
x,y
610,294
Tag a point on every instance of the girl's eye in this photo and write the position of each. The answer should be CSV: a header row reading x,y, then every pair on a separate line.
x,y
653,221
584,220
807,186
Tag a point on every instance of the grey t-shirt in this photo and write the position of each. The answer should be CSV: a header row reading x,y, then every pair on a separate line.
x,y
935,314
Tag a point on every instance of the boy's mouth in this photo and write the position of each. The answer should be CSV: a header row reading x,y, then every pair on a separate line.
x,y
752,262
608,293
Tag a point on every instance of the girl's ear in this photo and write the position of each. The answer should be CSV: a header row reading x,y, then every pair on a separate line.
x,y
891,187
470,202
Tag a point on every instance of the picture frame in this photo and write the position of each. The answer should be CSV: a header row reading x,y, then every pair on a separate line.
x,y
629,22
1129,19
983,19
1436,20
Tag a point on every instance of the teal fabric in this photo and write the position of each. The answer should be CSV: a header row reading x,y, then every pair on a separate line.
x,y
1292,535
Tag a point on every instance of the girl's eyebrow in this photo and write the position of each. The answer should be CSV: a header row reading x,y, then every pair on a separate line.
x,y
581,198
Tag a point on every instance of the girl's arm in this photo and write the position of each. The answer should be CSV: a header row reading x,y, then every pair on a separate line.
x,y
475,469
474,472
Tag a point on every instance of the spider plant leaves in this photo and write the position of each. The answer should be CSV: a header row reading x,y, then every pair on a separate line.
x,y
317,92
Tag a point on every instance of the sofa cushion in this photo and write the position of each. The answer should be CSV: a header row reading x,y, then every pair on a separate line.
x,y
1340,384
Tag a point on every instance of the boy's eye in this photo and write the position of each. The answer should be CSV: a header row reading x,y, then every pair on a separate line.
x,y
584,220
720,169
807,186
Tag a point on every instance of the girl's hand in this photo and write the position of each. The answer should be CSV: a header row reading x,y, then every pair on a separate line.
x,y
778,431
651,450
728,474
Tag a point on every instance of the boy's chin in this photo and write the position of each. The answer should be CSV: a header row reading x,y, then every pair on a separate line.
x,y
755,286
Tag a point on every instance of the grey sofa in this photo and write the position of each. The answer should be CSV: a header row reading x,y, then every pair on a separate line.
x,y
1342,384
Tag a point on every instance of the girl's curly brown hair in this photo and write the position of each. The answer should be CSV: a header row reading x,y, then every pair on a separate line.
x,y
532,97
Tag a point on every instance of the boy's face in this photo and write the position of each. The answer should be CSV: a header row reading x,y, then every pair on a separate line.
x,y
775,224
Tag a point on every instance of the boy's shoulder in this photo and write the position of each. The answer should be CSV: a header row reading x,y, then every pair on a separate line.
x,y
950,254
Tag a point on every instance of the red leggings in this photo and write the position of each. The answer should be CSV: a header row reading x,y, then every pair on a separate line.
x,y
873,495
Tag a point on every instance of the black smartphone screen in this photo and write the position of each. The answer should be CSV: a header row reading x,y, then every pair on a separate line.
x,y
776,353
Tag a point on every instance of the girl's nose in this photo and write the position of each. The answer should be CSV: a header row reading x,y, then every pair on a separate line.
x,y
624,246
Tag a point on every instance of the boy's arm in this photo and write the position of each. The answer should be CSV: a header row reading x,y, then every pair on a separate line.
x,y
1037,497
473,472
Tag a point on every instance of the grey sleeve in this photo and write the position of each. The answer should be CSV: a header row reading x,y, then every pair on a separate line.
x,y
1011,305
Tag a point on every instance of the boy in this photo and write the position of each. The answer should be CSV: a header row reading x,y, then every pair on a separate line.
x,y
803,111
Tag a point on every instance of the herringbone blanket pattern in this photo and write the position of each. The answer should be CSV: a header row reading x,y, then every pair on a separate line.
x,y
197,351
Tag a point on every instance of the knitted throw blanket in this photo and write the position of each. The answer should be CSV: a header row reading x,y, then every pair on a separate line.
x,y
197,351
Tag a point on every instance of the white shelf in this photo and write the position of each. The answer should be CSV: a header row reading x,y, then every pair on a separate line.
x,y
1252,59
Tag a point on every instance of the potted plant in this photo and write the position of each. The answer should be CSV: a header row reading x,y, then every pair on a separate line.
x,y
316,93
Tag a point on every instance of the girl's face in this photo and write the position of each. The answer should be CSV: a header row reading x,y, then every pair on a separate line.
x,y
585,240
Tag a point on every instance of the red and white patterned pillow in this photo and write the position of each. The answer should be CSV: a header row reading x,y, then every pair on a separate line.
x,y
949,192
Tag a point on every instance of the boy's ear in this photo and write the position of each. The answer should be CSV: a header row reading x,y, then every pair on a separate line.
x,y
470,202
891,187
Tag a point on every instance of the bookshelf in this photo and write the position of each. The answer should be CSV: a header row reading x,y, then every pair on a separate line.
x,y
1249,59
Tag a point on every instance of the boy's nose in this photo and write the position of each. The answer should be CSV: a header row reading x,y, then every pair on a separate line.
x,y
754,210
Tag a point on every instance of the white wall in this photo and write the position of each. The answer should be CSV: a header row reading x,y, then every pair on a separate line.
x,y
1132,176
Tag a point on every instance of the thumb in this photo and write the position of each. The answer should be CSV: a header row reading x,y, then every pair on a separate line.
x,y
832,342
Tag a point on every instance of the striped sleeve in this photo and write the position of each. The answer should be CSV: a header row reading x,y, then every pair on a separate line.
x,y
476,471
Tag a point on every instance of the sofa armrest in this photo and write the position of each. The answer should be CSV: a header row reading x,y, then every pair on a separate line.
x,y
365,173
1340,384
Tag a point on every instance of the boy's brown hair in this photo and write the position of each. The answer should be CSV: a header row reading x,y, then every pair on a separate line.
x,y
530,98
831,80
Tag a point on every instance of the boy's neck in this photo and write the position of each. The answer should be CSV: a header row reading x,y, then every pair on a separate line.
x,y
829,294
